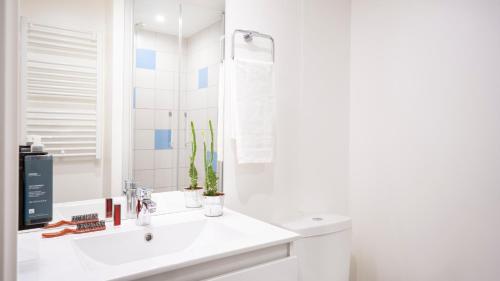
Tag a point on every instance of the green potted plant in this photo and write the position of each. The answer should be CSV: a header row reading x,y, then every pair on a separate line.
x,y
214,200
193,194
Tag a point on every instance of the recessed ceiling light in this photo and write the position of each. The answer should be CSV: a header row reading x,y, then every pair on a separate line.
x,y
160,18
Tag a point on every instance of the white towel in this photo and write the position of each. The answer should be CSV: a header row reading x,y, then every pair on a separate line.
x,y
253,108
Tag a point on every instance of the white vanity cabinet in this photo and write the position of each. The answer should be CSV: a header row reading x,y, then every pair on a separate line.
x,y
272,263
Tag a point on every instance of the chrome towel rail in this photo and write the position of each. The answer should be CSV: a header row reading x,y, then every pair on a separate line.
x,y
248,35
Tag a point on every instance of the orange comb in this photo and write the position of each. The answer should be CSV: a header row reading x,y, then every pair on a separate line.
x,y
80,228
75,220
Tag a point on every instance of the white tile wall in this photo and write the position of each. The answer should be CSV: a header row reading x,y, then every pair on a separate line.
x,y
192,79
145,177
154,100
184,180
167,61
144,119
163,119
175,116
213,74
199,118
178,144
144,98
166,43
196,99
184,156
165,189
213,96
164,80
146,40
212,115
157,96
144,139
183,103
144,78
165,159
164,177
183,139
144,159
164,99
183,82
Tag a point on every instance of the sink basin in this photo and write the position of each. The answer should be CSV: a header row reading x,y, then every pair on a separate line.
x,y
124,247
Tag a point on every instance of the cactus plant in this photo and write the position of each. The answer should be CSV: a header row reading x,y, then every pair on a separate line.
x,y
193,173
210,176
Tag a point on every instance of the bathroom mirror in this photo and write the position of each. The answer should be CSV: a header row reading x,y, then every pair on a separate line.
x,y
133,74
178,52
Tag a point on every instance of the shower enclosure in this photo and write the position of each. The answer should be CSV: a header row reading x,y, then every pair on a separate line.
x,y
177,59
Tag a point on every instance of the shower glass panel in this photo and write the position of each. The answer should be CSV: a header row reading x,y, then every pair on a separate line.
x,y
177,47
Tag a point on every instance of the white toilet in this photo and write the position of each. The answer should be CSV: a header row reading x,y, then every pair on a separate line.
x,y
324,251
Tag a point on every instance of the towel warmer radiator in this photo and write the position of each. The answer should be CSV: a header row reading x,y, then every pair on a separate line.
x,y
62,89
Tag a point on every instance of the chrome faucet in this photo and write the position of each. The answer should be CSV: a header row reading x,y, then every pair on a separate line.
x,y
130,191
145,206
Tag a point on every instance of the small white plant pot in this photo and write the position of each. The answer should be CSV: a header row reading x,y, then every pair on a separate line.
x,y
193,198
214,205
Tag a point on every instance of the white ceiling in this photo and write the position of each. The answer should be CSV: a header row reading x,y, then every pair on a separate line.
x,y
196,15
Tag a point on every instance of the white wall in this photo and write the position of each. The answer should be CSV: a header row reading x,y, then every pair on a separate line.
x,y
264,191
324,107
77,179
425,140
310,171
8,139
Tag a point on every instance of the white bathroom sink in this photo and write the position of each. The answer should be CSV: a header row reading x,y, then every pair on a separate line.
x,y
180,238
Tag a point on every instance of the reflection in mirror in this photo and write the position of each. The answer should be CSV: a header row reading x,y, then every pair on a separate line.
x,y
66,78
176,82
69,76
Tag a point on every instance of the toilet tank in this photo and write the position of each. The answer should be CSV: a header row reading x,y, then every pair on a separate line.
x,y
324,249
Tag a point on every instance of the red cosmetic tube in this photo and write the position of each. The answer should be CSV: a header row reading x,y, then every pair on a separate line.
x,y
117,216
109,207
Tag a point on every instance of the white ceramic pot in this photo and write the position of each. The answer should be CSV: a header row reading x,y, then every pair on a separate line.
x,y
214,205
193,198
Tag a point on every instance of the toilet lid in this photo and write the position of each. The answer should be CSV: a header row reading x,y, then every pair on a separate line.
x,y
317,224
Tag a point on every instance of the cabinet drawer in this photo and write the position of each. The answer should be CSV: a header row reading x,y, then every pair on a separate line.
x,y
279,270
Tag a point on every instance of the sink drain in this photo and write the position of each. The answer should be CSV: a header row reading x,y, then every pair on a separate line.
x,y
148,237
317,219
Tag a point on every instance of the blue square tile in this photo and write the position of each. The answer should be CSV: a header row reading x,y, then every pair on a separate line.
x,y
214,161
163,139
203,78
145,58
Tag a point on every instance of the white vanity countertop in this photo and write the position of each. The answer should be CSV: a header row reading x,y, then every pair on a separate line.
x,y
60,258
